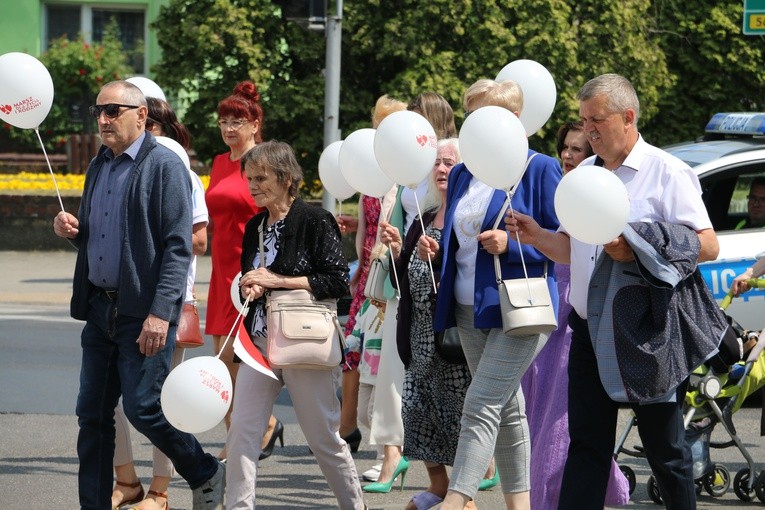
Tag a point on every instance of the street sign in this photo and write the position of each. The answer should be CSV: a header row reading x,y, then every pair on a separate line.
x,y
754,17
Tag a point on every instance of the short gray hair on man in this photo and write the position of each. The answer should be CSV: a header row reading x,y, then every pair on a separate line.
x,y
618,91
131,94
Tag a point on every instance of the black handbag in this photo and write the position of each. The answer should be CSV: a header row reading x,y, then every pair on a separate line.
x,y
449,348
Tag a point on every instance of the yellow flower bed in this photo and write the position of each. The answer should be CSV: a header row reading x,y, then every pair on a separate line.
x,y
43,182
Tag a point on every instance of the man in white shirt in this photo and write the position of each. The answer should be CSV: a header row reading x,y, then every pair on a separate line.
x,y
661,188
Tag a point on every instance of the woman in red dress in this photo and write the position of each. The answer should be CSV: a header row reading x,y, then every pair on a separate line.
x,y
240,118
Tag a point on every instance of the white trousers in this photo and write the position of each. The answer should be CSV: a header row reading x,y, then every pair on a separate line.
x,y
317,408
387,425
123,446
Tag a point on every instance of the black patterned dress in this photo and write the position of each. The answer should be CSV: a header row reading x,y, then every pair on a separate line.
x,y
434,390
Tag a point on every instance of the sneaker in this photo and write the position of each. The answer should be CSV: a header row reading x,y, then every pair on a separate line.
x,y
373,473
209,495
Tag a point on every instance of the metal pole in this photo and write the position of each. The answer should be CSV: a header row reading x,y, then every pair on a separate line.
x,y
332,88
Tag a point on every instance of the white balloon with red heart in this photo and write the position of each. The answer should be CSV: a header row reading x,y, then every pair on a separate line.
x,y
406,147
197,394
538,88
26,90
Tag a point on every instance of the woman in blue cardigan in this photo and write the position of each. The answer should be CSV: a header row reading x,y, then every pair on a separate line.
x,y
493,419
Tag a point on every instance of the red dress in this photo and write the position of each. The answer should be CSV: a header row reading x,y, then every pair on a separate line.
x,y
371,212
230,207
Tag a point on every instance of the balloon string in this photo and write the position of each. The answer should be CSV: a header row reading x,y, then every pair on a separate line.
x,y
55,184
430,262
520,247
239,318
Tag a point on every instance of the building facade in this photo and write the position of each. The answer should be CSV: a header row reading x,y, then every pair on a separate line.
x,y
29,25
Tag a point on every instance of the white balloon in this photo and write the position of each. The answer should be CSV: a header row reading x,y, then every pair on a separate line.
x,y
176,148
26,90
235,292
359,165
592,204
494,146
197,394
148,87
406,147
539,91
329,172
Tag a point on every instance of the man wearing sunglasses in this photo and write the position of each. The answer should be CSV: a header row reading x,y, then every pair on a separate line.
x,y
133,235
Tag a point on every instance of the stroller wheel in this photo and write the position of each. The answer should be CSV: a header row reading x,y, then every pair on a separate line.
x,y
629,474
759,487
653,490
741,485
717,481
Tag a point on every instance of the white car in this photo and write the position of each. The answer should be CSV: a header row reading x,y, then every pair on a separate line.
x,y
726,159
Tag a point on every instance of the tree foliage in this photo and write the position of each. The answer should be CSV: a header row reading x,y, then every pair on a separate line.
x,y
686,60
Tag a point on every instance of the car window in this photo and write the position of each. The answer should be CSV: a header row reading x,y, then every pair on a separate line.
x,y
725,194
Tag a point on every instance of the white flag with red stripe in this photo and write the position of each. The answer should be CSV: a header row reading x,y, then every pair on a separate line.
x,y
250,354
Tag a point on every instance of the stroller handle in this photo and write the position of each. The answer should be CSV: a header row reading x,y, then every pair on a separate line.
x,y
755,283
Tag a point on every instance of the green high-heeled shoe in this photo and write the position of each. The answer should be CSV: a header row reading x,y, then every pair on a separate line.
x,y
488,483
384,487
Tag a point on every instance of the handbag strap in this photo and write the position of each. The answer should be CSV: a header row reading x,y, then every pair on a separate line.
x,y
260,244
497,270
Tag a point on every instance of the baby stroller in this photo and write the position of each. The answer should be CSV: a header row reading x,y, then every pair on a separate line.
x,y
716,390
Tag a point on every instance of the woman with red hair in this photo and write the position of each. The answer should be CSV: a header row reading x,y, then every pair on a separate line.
x,y
240,118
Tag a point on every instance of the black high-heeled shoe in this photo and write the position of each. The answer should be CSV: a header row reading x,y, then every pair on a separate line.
x,y
278,433
354,440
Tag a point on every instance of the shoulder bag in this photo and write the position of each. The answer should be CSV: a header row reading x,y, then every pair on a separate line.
x,y
376,278
379,269
303,332
525,302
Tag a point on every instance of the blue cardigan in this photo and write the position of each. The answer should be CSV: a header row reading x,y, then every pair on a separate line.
x,y
156,248
534,197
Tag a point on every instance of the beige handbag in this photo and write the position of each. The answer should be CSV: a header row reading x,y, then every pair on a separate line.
x,y
525,302
303,332
379,270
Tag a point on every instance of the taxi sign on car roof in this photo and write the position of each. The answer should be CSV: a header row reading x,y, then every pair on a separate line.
x,y
744,123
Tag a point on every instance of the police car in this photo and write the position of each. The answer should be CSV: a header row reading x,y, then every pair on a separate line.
x,y
726,159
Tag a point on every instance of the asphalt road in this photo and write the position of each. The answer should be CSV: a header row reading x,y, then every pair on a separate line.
x,y
39,367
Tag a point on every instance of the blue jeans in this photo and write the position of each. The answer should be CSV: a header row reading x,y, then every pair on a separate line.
x,y
112,365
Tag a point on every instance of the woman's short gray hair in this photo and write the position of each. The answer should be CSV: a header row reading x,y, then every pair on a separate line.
x,y
280,159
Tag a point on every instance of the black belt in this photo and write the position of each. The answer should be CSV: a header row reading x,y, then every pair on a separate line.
x,y
110,294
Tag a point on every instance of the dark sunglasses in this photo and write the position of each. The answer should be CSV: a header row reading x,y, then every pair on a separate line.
x,y
111,110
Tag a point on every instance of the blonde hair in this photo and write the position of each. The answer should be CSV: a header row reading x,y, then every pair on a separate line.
x,y
507,94
437,110
384,106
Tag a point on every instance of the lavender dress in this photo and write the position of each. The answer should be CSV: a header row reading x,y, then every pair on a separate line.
x,y
545,386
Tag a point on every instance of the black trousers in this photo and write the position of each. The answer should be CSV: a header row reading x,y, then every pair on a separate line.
x,y
592,418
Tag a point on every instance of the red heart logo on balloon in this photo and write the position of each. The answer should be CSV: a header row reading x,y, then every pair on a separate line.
x,y
422,140
6,109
